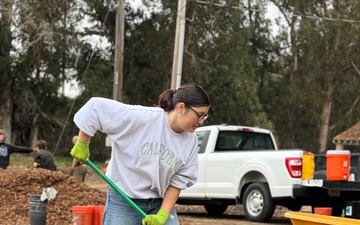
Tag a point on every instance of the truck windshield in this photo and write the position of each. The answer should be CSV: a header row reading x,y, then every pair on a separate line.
x,y
243,140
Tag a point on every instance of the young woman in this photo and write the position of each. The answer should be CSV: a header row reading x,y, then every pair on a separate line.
x,y
154,154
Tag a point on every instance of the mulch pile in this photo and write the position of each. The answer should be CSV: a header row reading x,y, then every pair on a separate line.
x,y
16,186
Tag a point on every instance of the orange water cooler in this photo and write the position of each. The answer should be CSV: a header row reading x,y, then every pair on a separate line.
x,y
338,165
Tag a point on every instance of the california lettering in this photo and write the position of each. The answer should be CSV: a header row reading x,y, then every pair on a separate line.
x,y
166,155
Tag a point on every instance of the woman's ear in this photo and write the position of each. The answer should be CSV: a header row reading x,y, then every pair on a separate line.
x,y
180,108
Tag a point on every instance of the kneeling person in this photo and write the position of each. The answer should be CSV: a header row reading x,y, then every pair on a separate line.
x,y
43,158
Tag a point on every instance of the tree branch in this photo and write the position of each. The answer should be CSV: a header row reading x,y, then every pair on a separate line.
x,y
348,113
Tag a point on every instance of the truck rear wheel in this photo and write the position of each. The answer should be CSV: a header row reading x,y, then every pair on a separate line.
x,y
257,203
215,209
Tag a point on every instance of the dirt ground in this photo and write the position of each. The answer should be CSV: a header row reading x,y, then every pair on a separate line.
x,y
21,189
196,215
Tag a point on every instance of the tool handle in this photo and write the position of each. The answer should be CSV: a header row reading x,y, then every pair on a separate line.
x,y
116,189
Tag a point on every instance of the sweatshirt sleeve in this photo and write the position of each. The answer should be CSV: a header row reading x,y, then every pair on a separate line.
x,y
19,149
101,114
187,176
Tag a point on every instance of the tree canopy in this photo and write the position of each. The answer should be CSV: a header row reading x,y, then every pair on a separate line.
x,y
301,81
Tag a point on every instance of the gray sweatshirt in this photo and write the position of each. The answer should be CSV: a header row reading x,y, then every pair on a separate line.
x,y
147,155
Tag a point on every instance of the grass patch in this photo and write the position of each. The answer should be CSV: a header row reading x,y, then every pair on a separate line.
x,y
61,162
18,159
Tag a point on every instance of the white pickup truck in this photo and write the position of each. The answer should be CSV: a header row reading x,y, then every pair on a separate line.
x,y
242,165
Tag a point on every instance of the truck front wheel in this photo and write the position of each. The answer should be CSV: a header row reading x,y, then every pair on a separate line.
x,y
215,210
257,203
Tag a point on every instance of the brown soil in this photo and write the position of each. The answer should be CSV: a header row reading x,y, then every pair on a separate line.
x,y
18,184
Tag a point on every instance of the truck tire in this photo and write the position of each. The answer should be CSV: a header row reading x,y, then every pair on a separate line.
x,y
215,210
257,203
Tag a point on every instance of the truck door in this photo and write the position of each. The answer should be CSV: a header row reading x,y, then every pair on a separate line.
x,y
198,189
221,167
231,153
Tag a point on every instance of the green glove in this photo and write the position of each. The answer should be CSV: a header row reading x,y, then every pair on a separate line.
x,y
158,219
80,151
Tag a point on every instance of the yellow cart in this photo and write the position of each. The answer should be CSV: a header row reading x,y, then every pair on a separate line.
x,y
298,218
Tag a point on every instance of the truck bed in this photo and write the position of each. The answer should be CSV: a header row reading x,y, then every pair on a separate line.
x,y
323,192
320,166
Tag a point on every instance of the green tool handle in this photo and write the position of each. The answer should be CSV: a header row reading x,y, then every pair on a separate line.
x,y
117,190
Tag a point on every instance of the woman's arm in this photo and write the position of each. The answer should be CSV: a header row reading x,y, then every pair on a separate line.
x,y
171,196
163,214
83,136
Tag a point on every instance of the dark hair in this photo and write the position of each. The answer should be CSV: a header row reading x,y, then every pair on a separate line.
x,y
189,94
42,144
3,133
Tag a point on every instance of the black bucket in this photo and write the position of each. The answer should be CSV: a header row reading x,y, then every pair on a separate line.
x,y
38,210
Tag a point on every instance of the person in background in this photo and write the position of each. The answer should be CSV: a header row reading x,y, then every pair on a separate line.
x,y
107,161
77,169
6,150
154,152
43,158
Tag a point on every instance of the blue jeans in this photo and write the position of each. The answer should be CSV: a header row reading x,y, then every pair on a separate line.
x,y
119,212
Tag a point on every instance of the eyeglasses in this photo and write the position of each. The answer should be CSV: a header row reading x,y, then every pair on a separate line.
x,y
200,117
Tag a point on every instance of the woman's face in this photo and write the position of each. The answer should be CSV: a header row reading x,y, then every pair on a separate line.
x,y
193,117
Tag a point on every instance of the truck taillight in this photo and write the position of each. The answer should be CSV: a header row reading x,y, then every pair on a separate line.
x,y
294,167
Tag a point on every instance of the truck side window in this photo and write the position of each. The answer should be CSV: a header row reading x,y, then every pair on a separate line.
x,y
228,141
242,140
203,137
259,142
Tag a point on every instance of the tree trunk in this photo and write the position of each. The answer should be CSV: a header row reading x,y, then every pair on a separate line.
x,y
330,81
325,118
5,70
34,131
294,50
5,112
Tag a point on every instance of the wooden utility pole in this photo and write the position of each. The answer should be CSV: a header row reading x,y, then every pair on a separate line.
x,y
119,52
179,45
119,58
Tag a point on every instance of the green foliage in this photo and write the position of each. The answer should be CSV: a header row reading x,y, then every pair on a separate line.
x,y
249,73
148,60
226,54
